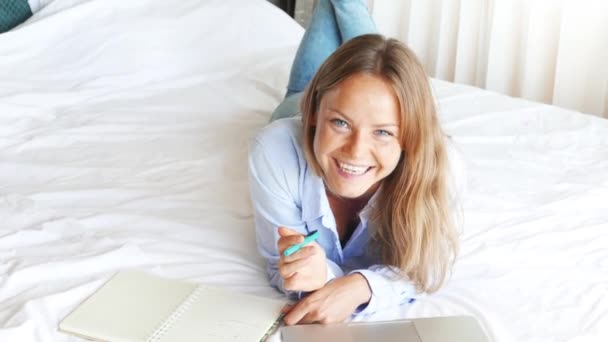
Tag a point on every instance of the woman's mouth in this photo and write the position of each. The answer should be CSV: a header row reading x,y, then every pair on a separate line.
x,y
351,170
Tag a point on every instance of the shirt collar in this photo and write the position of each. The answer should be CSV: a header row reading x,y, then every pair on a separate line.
x,y
367,210
315,203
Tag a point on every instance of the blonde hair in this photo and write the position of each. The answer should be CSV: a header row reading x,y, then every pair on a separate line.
x,y
416,232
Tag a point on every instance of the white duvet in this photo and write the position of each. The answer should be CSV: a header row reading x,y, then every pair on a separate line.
x,y
123,138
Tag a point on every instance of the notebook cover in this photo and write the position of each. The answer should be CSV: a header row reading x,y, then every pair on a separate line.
x,y
134,306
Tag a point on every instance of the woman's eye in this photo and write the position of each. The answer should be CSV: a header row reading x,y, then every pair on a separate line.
x,y
339,123
384,133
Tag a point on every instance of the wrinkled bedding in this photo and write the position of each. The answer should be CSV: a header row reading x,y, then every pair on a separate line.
x,y
123,138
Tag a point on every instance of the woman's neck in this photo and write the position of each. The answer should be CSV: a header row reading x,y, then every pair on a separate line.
x,y
346,213
354,205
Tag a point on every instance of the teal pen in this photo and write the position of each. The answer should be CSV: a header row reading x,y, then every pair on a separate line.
x,y
312,236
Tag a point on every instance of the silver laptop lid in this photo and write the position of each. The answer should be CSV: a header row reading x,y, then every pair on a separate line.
x,y
396,331
453,329
436,329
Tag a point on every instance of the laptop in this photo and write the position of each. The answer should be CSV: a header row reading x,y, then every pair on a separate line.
x,y
435,329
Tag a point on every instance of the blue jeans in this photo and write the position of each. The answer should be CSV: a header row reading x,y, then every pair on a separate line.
x,y
333,22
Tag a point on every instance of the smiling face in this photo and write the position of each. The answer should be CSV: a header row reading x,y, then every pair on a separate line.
x,y
356,142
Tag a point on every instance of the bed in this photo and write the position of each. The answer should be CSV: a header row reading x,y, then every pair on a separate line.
x,y
124,128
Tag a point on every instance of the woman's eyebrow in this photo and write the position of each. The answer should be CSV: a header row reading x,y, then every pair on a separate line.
x,y
339,112
386,125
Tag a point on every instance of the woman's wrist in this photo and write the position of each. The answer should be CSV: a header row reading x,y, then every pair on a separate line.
x,y
362,292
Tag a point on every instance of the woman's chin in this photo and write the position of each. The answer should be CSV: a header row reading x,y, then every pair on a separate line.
x,y
348,187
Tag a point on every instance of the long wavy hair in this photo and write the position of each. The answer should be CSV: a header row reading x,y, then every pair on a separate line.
x,y
415,226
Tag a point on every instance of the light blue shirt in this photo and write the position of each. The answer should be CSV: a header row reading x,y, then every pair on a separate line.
x,y
286,192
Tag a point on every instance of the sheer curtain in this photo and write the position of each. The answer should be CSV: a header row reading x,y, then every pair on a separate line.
x,y
553,51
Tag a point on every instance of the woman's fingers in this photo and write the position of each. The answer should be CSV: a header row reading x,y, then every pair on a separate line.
x,y
283,231
304,252
306,311
293,263
286,270
314,317
285,242
287,308
294,282
296,314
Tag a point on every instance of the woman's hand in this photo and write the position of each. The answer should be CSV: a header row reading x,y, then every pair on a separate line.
x,y
304,270
333,303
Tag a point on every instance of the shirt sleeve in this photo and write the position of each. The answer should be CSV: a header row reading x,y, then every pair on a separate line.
x,y
388,288
274,194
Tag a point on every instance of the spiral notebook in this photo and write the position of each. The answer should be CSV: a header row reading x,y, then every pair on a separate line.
x,y
134,306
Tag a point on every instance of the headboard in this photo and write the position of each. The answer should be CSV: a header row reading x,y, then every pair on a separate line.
x,y
288,6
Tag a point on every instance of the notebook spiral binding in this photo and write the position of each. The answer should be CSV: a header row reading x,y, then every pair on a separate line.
x,y
176,314
273,328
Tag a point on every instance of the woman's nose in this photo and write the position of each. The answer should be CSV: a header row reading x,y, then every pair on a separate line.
x,y
356,146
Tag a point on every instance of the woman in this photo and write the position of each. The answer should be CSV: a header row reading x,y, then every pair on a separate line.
x,y
366,165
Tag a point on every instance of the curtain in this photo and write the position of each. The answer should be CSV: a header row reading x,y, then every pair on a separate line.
x,y
553,51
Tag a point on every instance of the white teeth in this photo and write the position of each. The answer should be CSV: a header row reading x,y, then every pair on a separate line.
x,y
352,169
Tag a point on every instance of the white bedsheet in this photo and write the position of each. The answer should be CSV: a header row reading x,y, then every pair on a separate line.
x,y
123,137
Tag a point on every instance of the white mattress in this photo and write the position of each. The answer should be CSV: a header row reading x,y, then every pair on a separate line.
x,y
123,138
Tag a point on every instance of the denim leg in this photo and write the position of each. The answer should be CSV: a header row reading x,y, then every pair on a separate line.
x,y
333,22
353,18
289,107
321,39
